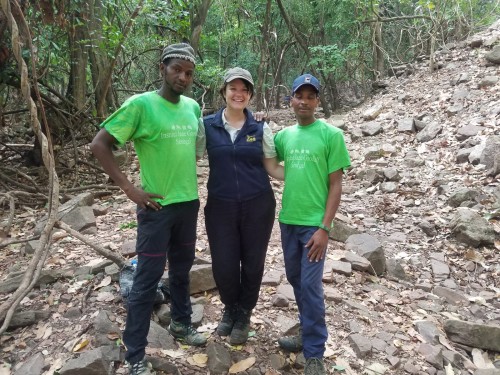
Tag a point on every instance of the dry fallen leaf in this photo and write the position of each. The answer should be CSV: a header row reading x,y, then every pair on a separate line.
x,y
82,344
173,353
113,336
449,370
105,297
375,369
105,282
200,359
40,332
242,365
192,362
481,359
474,256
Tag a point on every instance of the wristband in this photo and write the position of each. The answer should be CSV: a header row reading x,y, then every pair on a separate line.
x,y
324,227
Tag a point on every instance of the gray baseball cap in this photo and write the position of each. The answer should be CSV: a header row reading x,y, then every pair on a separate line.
x,y
235,73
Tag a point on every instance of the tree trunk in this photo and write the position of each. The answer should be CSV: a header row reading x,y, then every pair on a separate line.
x,y
77,84
108,71
264,56
98,58
200,11
378,55
303,44
278,75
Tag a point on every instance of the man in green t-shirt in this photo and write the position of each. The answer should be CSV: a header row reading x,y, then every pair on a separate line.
x,y
315,156
163,126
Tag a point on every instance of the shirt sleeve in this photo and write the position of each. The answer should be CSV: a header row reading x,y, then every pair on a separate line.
x,y
123,123
338,156
201,140
268,142
278,146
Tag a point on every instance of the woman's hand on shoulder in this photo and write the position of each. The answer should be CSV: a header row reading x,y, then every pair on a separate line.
x,y
259,116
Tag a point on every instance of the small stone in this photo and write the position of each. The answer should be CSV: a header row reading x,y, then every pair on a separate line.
x,y
440,270
476,43
389,187
371,129
73,313
488,81
332,294
372,112
128,248
197,315
278,362
164,315
406,125
343,268
451,296
429,331
287,291
279,300
394,361
392,174
355,327
428,228
272,278
360,344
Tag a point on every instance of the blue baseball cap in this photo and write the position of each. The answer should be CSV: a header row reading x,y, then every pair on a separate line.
x,y
305,79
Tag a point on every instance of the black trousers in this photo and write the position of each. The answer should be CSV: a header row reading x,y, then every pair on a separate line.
x,y
167,234
238,234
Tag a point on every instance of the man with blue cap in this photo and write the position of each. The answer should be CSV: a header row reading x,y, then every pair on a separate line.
x,y
314,155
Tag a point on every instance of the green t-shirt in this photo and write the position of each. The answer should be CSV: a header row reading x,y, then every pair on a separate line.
x,y
164,136
310,154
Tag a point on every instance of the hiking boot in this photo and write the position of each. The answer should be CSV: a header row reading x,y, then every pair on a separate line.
x,y
239,334
291,343
186,333
227,322
314,366
140,368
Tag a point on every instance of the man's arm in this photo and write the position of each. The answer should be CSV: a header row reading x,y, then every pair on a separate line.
x,y
102,146
319,241
274,168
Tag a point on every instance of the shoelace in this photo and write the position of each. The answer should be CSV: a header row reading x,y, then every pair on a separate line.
x,y
138,367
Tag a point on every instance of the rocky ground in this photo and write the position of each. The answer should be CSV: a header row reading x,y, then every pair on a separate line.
x,y
412,279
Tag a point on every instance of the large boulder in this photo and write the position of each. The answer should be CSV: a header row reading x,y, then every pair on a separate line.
x,y
482,336
490,151
77,213
202,278
430,132
494,55
370,248
472,229
92,362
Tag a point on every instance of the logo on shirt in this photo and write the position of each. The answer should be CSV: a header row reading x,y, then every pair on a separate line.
x,y
183,134
251,138
299,157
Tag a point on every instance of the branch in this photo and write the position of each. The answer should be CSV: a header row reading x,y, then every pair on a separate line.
x,y
107,81
13,241
116,258
395,19
32,273
88,187
12,210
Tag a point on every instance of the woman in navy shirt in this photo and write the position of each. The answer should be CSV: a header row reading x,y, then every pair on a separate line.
x,y
240,209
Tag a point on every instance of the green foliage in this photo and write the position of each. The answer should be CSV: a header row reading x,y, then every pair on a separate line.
x,y
330,59
130,225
